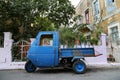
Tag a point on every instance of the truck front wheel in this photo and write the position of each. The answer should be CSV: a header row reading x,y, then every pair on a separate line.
x,y
79,67
29,67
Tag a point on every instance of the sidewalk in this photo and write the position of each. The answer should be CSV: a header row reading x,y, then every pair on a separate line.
x,y
12,65
20,65
104,65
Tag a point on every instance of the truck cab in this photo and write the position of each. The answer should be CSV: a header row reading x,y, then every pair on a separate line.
x,y
44,50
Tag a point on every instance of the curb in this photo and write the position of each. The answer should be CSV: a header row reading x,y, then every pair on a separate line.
x,y
103,65
13,65
20,65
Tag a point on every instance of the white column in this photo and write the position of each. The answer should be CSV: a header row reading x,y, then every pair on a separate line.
x,y
99,49
103,39
103,48
32,40
8,46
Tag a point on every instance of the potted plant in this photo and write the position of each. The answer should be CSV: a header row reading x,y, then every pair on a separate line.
x,y
111,58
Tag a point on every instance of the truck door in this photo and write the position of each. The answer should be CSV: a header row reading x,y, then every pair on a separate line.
x,y
47,51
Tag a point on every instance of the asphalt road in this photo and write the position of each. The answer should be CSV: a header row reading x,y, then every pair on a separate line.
x,y
61,74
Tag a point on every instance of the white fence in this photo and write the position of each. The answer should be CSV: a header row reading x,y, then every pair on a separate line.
x,y
100,49
6,57
5,52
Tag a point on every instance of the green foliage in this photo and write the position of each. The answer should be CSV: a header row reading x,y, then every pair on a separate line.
x,y
67,36
15,52
78,33
41,24
17,16
61,11
95,35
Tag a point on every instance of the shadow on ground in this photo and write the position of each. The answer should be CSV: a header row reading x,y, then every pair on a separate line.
x,y
54,70
62,70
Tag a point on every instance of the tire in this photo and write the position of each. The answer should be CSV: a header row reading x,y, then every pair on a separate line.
x,y
79,67
29,67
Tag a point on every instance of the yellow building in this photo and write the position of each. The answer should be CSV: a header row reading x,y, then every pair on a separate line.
x,y
105,13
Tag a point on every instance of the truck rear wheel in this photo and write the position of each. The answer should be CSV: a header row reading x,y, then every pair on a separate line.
x,y
79,67
29,67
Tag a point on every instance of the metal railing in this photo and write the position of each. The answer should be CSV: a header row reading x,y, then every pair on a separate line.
x,y
19,50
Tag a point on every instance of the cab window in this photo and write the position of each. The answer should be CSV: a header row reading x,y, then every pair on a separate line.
x,y
46,40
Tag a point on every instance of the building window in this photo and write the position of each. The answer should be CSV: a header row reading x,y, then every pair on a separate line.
x,y
96,10
87,16
110,5
114,33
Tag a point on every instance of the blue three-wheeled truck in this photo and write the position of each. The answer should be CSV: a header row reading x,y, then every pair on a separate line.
x,y
45,52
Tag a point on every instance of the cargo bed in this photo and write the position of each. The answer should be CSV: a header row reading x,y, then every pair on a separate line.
x,y
70,52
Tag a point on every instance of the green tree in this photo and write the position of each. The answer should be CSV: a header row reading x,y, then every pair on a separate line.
x,y
17,16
